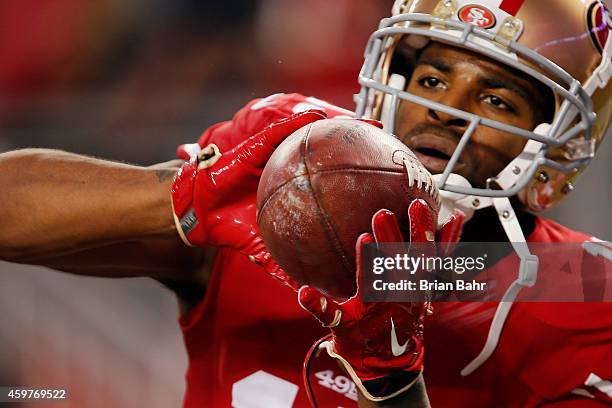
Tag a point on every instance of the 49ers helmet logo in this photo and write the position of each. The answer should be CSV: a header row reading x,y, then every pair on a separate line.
x,y
599,24
477,15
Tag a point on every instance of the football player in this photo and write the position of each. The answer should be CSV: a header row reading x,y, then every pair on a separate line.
x,y
489,96
506,100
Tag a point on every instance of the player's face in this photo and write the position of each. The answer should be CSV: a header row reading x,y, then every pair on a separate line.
x,y
466,81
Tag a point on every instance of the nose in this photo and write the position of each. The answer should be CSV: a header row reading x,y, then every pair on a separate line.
x,y
454,99
446,119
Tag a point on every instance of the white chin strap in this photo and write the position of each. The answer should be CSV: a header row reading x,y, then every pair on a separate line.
x,y
528,268
528,271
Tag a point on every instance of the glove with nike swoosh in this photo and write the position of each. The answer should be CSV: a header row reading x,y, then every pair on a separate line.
x,y
214,193
380,344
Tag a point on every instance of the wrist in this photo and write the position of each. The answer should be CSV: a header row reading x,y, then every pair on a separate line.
x,y
415,396
380,379
391,385
186,189
187,222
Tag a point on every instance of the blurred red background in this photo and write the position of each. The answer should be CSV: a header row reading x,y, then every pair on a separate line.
x,y
130,80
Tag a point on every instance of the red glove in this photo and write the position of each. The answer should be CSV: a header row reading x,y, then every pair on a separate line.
x,y
214,194
380,344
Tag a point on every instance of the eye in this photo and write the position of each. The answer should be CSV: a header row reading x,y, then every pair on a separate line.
x,y
497,102
431,82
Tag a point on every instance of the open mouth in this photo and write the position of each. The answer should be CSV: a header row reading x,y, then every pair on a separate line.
x,y
434,152
426,151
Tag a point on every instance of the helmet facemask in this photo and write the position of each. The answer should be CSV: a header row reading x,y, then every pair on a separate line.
x,y
566,145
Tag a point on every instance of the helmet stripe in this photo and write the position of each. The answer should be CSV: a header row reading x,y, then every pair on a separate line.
x,y
511,6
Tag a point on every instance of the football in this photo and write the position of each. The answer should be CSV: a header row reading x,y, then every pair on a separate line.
x,y
319,191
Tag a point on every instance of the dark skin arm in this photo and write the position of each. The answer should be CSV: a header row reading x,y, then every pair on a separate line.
x,y
97,218
155,258
58,203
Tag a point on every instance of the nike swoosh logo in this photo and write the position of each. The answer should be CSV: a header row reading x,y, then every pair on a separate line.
x,y
396,349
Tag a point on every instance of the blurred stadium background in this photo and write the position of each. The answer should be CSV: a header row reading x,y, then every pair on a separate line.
x,y
130,81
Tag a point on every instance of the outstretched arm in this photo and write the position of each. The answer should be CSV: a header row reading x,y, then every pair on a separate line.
x,y
155,258
57,203
72,212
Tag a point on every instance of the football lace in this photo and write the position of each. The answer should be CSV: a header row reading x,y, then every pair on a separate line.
x,y
419,175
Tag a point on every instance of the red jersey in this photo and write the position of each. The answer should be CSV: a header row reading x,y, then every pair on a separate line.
x,y
246,340
548,352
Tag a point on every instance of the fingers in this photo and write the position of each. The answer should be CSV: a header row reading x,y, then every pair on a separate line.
x,y
324,308
260,147
279,274
451,230
259,255
450,233
385,227
363,239
278,131
422,222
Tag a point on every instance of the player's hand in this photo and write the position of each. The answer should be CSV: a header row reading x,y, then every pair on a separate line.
x,y
213,194
380,344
